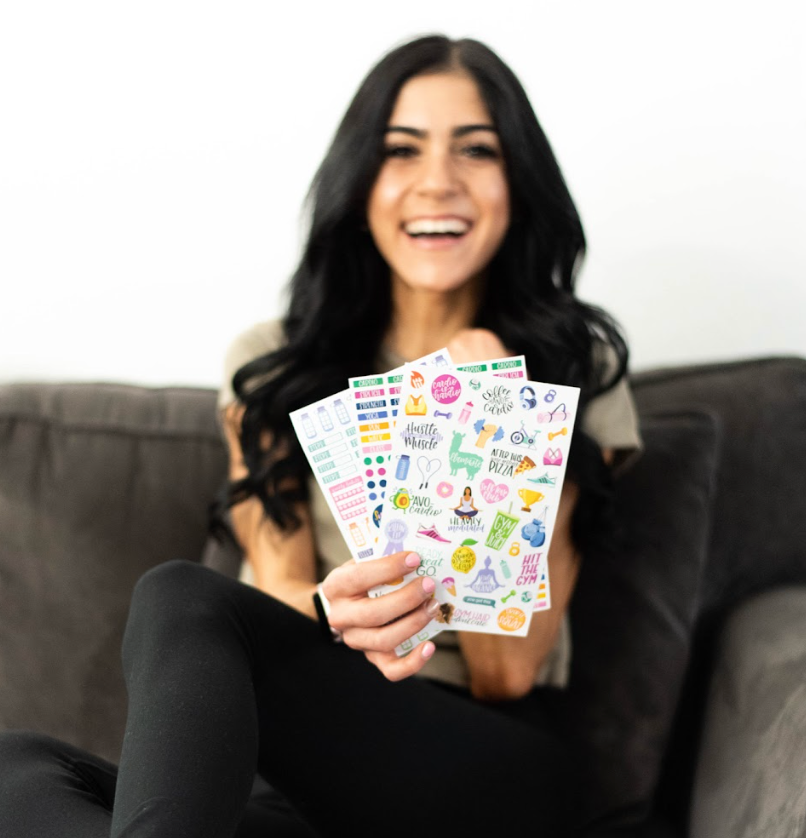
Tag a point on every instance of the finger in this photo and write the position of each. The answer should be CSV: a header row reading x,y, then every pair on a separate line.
x,y
395,668
355,579
373,612
386,638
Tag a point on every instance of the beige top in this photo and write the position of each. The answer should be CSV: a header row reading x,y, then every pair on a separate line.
x,y
610,419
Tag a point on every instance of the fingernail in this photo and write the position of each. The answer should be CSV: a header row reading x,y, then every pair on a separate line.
x,y
413,560
429,584
428,649
432,609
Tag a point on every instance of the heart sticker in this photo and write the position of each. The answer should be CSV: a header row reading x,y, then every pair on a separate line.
x,y
493,492
428,467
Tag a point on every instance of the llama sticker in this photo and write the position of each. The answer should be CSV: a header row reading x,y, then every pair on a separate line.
x,y
459,459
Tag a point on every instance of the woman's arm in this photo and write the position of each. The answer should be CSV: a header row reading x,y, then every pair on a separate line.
x,y
283,564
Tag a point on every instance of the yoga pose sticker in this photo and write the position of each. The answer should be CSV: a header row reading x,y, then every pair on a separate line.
x,y
466,507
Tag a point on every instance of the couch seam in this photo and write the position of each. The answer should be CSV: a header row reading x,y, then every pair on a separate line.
x,y
154,433
649,377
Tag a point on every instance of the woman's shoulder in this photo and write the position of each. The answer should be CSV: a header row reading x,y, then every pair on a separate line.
x,y
606,359
255,341
611,418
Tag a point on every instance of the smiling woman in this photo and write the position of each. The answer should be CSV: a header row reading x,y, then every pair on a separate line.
x,y
438,217
439,208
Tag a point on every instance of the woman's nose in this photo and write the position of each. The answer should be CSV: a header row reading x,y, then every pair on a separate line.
x,y
438,175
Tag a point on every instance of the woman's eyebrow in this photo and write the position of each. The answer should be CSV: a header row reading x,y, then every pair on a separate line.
x,y
469,129
421,134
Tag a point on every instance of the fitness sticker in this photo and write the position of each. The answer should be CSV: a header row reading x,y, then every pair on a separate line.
x,y
446,389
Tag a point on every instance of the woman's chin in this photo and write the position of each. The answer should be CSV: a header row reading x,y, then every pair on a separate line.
x,y
437,282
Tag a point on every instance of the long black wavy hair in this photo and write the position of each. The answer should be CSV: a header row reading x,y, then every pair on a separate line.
x,y
340,295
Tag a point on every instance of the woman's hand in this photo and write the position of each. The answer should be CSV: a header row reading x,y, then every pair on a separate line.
x,y
376,625
471,345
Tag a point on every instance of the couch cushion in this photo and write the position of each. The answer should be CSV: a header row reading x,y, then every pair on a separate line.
x,y
759,515
752,764
632,616
98,483
758,529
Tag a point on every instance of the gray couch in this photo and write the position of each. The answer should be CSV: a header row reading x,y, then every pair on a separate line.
x,y
99,482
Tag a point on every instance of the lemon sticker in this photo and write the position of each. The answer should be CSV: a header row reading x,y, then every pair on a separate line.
x,y
511,619
463,557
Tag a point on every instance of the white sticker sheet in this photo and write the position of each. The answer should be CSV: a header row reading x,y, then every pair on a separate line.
x,y
375,400
329,438
373,408
477,500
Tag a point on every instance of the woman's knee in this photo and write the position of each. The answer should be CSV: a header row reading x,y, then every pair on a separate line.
x,y
26,745
171,587
25,757
174,598
40,776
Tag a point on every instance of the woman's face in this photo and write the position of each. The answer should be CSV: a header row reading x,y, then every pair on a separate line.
x,y
439,208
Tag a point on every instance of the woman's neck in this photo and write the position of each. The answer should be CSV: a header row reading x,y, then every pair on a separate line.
x,y
424,321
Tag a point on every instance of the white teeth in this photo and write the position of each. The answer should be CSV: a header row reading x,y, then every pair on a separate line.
x,y
435,226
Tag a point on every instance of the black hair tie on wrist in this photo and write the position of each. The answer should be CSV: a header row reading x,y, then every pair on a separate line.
x,y
328,632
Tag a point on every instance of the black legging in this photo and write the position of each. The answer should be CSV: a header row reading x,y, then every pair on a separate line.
x,y
225,681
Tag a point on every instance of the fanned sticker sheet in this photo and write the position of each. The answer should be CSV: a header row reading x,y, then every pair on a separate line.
x,y
339,434
329,439
479,506
375,400
465,468
373,405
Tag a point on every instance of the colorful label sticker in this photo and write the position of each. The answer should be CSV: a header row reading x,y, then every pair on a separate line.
x,y
331,448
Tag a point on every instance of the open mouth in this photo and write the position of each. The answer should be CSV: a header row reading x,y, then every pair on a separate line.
x,y
436,229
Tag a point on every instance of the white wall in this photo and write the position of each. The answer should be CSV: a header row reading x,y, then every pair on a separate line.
x,y
154,157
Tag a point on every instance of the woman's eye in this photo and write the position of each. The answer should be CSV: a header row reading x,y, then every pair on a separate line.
x,y
400,151
481,151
